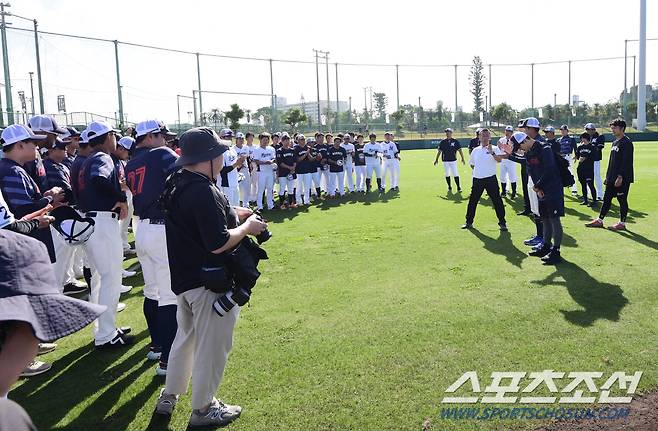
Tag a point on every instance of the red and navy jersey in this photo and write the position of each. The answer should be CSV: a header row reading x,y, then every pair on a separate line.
x,y
59,176
146,174
338,155
37,171
98,184
68,161
119,166
76,166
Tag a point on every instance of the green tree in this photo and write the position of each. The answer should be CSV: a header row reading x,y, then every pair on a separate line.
x,y
266,113
477,78
503,113
294,117
234,115
398,116
381,101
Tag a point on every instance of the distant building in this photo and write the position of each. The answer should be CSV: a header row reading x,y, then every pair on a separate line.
x,y
311,108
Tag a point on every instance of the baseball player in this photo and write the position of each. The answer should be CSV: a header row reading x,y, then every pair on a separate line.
x,y
448,149
372,151
265,156
391,155
475,142
72,140
244,176
43,125
584,156
323,148
619,176
146,173
286,171
315,168
598,141
567,150
20,191
101,198
305,167
507,167
228,178
120,157
349,162
549,135
336,156
276,140
360,164
253,169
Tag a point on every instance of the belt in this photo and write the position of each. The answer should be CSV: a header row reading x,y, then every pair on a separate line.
x,y
156,221
102,214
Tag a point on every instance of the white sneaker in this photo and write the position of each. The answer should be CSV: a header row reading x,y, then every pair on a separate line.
x,y
125,289
162,372
120,307
218,414
35,368
126,273
46,348
166,403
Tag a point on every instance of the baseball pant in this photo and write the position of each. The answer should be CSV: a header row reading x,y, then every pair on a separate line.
x,y
254,186
286,186
265,186
316,177
360,178
392,167
336,181
232,195
304,188
324,179
349,176
245,187
569,157
490,184
451,169
105,255
63,266
532,197
201,347
373,167
597,179
125,223
507,171
151,247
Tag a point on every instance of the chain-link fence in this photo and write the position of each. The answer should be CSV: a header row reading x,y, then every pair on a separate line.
x,y
125,82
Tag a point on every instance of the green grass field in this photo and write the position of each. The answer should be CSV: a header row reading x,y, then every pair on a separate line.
x,y
368,309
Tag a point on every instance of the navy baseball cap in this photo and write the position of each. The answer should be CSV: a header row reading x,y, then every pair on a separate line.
x,y
29,292
226,133
60,144
199,145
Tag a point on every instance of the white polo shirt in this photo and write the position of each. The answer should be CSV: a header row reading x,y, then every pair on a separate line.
x,y
484,165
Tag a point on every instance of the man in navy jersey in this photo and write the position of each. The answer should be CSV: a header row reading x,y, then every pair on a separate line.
x,y
286,171
101,198
360,164
322,146
567,150
305,167
448,149
120,157
146,173
475,142
72,140
336,156
22,194
42,125
598,142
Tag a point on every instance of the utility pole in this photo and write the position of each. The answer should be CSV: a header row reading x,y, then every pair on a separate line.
x,y
5,63
116,58
455,92
326,61
32,91
337,105
39,80
198,74
397,84
642,88
274,107
317,80
365,99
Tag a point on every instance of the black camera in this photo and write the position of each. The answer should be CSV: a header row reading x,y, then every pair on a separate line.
x,y
264,235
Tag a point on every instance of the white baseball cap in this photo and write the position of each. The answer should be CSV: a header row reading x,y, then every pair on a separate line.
x,y
151,126
590,126
509,128
45,123
518,137
530,122
239,135
99,128
19,132
84,139
448,130
126,142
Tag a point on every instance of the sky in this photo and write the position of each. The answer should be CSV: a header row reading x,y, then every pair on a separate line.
x,y
372,32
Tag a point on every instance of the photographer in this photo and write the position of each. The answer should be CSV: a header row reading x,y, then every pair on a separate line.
x,y
202,230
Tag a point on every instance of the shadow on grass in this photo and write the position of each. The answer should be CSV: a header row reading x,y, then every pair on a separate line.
x,y
502,245
457,197
78,376
598,300
639,239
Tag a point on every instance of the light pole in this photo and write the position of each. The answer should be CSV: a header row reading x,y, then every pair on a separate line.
x,y
37,55
32,90
317,80
5,63
642,89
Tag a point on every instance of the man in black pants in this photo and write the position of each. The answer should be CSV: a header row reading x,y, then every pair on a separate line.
x,y
483,160
619,176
